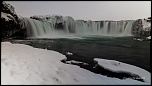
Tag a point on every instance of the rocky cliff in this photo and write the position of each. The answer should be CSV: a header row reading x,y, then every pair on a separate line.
x,y
10,23
142,27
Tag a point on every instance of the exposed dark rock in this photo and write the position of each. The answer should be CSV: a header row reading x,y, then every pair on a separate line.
x,y
59,26
140,28
109,24
101,24
10,23
137,27
149,18
7,8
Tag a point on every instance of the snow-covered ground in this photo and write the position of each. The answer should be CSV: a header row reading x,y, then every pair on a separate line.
x,y
23,64
119,67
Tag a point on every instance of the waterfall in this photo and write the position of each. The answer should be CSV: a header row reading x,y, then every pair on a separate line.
x,y
127,31
40,25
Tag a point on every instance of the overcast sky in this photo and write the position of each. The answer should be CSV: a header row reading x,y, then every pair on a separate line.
x,y
86,10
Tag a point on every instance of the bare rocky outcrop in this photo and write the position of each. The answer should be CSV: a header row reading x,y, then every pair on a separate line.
x,y
142,27
10,23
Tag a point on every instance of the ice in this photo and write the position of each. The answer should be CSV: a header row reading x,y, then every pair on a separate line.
x,y
75,62
68,53
118,67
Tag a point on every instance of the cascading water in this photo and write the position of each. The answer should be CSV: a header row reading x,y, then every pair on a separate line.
x,y
127,31
40,25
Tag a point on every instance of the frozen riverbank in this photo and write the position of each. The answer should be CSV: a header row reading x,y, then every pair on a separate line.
x,y
23,64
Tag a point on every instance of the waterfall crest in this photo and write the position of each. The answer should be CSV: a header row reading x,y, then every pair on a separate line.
x,y
41,25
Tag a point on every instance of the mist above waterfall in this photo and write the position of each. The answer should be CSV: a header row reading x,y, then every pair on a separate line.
x,y
48,26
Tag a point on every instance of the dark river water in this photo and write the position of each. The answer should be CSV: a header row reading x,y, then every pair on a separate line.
x,y
123,49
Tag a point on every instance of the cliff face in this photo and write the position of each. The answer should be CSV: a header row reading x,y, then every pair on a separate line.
x,y
142,27
10,23
7,8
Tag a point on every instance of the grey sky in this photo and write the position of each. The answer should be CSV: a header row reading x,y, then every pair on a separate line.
x,y
86,10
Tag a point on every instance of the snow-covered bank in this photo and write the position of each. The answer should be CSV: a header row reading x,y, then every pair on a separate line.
x,y
119,67
23,64
149,37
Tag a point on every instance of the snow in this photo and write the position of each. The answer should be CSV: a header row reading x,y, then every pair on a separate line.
x,y
68,53
117,66
138,39
25,65
76,62
146,25
149,37
6,16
